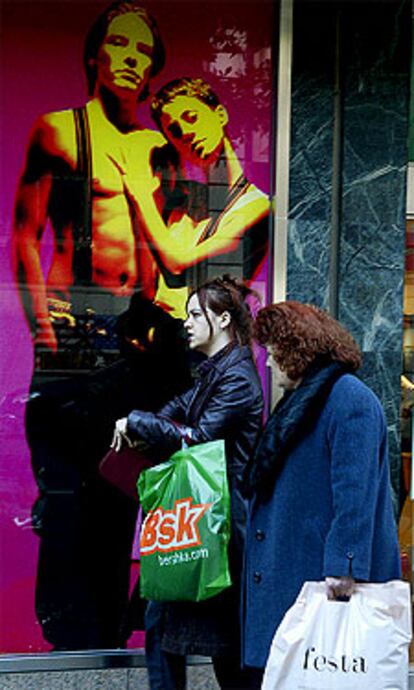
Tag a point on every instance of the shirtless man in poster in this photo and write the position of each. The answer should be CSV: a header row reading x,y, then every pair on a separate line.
x,y
123,50
85,528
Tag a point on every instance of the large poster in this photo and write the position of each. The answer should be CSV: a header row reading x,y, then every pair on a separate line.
x,y
136,163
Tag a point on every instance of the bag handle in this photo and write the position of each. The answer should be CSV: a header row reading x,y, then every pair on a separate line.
x,y
184,432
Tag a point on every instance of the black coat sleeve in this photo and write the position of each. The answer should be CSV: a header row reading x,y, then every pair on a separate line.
x,y
226,404
177,408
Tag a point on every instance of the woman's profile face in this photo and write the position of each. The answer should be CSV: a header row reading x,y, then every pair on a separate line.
x,y
280,377
200,336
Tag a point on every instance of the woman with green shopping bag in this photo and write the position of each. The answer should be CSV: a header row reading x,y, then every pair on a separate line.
x,y
225,403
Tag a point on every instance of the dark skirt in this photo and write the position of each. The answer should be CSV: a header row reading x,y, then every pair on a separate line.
x,y
211,627
208,628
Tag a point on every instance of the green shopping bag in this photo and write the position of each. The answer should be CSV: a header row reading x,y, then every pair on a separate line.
x,y
186,532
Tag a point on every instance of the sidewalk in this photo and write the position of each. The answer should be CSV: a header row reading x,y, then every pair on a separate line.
x,y
84,674
200,677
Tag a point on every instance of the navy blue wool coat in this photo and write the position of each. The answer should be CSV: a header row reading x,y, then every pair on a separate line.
x,y
330,514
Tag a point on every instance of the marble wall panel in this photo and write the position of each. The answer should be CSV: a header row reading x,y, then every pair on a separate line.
x,y
311,156
376,47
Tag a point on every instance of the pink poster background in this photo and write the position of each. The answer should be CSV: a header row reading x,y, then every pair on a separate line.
x,y
227,43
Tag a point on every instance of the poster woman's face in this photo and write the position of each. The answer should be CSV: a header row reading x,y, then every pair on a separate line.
x,y
194,128
125,57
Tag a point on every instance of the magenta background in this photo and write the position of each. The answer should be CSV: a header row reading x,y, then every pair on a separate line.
x,y
41,58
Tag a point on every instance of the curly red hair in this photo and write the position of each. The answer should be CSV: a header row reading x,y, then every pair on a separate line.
x,y
299,334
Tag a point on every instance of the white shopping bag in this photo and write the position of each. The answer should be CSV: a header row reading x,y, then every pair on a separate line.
x,y
361,644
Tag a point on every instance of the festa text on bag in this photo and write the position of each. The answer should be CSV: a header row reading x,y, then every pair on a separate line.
x,y
361,644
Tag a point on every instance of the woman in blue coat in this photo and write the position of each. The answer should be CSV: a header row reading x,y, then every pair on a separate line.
x,y
320,491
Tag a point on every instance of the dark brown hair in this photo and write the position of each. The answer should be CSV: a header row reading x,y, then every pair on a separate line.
x,y
185,86
301,334
227,293
98,31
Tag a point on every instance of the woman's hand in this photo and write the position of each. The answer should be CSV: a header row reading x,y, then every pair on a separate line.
x,y
120,435
339,587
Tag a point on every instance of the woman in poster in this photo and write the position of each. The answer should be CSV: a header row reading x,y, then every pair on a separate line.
x,y
199,204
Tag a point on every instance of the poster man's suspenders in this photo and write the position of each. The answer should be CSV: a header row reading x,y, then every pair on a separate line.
x,y
82,226
230,198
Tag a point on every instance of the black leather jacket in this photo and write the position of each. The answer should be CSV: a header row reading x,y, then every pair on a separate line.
x,y
226,402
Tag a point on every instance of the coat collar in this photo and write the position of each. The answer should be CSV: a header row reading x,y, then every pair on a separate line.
x,y
224,358
292,419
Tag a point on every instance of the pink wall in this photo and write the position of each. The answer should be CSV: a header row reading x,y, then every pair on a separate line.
x,y
41,58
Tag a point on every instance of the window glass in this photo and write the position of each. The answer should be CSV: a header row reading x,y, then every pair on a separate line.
x,y
116,203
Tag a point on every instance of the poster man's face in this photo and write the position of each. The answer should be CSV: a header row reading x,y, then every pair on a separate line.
x,y
194,128
125,57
